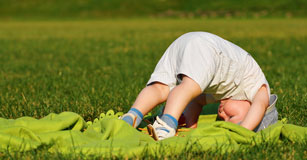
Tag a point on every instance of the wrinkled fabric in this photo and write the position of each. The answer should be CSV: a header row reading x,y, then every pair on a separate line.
x,y
67,133
218,66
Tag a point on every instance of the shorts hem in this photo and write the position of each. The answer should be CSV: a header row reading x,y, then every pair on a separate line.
x,y
162,78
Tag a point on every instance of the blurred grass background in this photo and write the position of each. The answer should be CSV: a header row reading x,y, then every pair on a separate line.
x,y
93,9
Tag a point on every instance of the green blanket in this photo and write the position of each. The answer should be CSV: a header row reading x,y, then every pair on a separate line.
x,y
67,132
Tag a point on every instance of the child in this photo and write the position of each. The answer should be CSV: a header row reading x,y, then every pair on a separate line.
x,y
200,68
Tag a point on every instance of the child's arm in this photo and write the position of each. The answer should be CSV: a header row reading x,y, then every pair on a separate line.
x,y
257,109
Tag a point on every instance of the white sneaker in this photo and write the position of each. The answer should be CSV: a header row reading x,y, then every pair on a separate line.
x,y
160,130
132,116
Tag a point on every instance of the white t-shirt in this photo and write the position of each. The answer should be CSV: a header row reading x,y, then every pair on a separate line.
x,y
220,67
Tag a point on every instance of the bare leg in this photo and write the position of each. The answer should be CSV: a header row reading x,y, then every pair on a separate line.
x,y
193,110
150,97
180,96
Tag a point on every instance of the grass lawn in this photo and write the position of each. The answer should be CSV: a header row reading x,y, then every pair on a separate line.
x,y
89,67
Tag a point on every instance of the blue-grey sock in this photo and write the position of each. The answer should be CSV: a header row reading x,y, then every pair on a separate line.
x,y
137,113
170,120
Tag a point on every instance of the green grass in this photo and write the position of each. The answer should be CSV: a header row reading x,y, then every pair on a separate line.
x,y
286,150
55,9
89,67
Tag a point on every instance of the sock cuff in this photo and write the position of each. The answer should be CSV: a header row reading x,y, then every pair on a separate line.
x,y
172,118
139,113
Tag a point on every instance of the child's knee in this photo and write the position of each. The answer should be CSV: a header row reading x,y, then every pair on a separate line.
x,y
162,88
192,84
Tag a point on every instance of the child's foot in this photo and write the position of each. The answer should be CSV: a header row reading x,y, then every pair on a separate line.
x,y
160,130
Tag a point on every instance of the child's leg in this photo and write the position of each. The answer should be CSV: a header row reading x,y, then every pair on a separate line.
x,y
177,100
150,97
180,96
147,99
193,110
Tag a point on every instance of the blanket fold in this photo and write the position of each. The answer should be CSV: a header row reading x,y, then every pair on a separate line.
x,y
67,132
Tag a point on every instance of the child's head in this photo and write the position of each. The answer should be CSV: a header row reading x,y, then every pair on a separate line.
x,y
233,110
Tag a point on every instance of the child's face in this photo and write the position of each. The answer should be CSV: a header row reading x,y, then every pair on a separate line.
x,y
233,110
